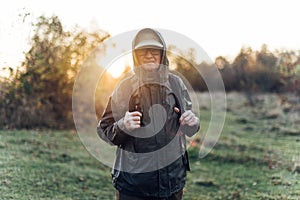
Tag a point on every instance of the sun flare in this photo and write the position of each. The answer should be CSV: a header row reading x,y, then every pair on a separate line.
x,y
118,66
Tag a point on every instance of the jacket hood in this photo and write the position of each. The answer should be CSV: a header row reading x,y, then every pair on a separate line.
x,y
148,37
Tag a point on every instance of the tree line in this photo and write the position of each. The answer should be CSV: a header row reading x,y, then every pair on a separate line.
x,y
250,71
39,93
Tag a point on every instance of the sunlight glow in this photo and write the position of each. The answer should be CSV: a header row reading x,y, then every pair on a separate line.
x,y
117,67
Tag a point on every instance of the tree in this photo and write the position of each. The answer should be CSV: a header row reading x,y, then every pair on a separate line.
x,y
41,94
266,75
185,65
242,66
227,72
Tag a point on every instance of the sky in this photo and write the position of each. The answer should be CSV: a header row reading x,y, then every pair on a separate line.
x,y
219,27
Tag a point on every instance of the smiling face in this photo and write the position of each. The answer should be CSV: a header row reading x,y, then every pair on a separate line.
x,y
149,58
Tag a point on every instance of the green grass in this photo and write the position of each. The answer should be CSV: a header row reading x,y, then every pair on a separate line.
x,y
255,158
50,165
245,165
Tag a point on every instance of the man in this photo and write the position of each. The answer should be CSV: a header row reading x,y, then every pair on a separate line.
x,y
148,117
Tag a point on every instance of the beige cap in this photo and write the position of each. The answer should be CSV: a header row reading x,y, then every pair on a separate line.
x,y
147,38
149,44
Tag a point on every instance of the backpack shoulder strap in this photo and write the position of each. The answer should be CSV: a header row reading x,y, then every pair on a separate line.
x,y
176,89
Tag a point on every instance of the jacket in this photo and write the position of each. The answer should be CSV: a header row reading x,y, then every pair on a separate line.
x,y
151,160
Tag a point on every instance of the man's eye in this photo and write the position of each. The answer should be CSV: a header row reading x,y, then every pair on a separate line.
x,y
155,51
143,52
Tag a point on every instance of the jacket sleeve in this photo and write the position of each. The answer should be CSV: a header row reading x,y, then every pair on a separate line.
x,y
187,105
109,129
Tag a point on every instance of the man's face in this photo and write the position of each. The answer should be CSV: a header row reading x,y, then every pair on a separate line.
x,y
149,58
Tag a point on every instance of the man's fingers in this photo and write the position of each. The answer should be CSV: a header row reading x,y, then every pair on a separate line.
x,y
134,124
132,120
186,115
191,122
135,113
136,118
188,118
131,125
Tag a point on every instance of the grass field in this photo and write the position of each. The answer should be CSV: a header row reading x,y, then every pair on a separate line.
x,y
256,157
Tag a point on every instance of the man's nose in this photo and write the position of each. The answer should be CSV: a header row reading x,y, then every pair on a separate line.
x,y
148,54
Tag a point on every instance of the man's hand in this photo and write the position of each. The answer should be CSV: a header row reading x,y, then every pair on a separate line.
x,y
188,118
132,120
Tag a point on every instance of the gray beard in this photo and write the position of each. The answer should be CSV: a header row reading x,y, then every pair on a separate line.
x,y
159,76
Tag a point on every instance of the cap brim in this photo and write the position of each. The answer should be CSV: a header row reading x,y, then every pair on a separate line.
x,y
149,44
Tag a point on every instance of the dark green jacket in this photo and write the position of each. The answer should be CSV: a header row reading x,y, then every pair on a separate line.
x,y
151,160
